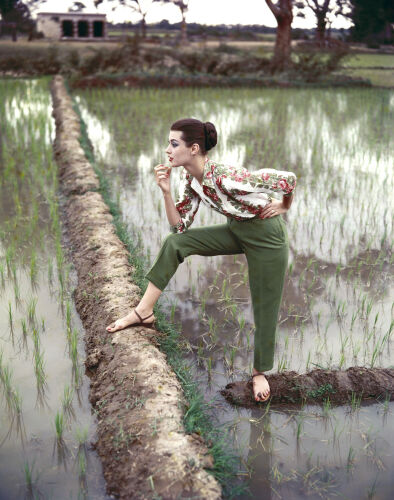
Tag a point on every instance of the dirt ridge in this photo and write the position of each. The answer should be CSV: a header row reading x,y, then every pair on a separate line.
x,y
316,386
138,400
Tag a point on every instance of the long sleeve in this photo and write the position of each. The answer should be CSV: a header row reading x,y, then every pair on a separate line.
x,y
187,206
239,180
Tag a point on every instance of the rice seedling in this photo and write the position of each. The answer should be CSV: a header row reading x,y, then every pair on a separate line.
x,y
31,309
2,274
33,266
6,379
300,425
355,401
59,425
233,352
68,318
31,477
81,435
81,464
67,400
212,328
10,318
50,271
327,411
350,459
39,362
24,327
209,367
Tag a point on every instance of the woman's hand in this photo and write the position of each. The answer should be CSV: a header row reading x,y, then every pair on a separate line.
x,y
275,207
163,174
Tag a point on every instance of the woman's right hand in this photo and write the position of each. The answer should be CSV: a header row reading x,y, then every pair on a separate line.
x,y
163,175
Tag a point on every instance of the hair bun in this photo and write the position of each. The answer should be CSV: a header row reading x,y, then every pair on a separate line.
x,y
211,137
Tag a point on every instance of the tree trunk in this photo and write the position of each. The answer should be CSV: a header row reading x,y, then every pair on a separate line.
x,y
283,12
321,28
183,29
283,43
143,28
14,37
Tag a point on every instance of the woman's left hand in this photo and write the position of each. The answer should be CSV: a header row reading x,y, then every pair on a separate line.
x,y
275,207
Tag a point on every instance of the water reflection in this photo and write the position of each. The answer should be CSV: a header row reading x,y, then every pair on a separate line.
x,y
336,310
35,282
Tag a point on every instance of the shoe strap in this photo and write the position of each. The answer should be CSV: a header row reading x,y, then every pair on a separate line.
x,y
139,317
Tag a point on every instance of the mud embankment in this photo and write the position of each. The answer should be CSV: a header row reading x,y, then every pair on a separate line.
x,y
351,386
138,400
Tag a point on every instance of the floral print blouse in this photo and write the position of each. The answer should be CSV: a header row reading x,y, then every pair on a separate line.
x,y
232,191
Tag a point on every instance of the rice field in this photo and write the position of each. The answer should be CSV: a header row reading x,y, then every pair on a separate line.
x,y
46,425
337,309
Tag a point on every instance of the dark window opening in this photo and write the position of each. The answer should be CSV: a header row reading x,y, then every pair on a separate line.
x,y
83,29
55,18
98,28
68,28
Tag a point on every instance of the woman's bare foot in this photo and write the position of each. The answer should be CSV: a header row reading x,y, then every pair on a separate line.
x,y
129,320
261,388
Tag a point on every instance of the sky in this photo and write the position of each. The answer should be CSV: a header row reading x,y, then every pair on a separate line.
x,y
200,11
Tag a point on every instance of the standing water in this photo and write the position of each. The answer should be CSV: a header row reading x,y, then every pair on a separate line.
x,y
337,305
46,423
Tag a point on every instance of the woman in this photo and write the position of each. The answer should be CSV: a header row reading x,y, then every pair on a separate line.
x,y
254,227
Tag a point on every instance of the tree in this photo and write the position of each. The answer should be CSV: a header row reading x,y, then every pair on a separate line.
x,y
372,20
16,15
184,7
322,10
141,7
283,12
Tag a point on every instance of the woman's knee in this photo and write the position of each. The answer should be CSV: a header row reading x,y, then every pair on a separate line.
x,y
173,243
170,240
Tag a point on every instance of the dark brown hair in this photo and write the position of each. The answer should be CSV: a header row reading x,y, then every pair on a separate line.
x,y
195,131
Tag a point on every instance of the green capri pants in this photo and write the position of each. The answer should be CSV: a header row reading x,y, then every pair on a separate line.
x,y
265,245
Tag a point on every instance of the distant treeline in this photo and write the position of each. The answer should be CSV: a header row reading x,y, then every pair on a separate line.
x,y
243,31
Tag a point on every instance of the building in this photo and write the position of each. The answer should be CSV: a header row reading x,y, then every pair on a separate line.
x,y
72,25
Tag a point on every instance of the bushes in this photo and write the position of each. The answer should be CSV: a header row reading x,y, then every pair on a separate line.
x,y
312,64
309,64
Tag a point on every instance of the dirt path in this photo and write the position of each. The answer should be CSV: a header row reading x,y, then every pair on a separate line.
x,y
291,388
139,402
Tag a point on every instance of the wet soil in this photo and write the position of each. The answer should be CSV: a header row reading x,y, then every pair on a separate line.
x,y
291,388
139,402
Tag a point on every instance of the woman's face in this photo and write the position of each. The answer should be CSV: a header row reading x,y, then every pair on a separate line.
x,y
177,151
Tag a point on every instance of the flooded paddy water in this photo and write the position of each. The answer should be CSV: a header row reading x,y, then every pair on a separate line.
x,y
46,421
337,305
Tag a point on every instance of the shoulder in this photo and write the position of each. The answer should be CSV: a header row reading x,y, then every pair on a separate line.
x,y
231,172
216,169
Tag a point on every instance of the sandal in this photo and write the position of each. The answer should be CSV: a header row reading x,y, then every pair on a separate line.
x,y
259,393
149,324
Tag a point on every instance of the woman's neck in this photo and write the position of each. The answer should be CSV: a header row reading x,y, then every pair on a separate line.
x,y
196,167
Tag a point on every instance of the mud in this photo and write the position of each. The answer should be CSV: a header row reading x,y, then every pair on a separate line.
x,y
291,388
138,400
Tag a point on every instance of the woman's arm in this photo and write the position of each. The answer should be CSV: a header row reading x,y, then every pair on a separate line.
x,y
265,180
179,215
172,213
